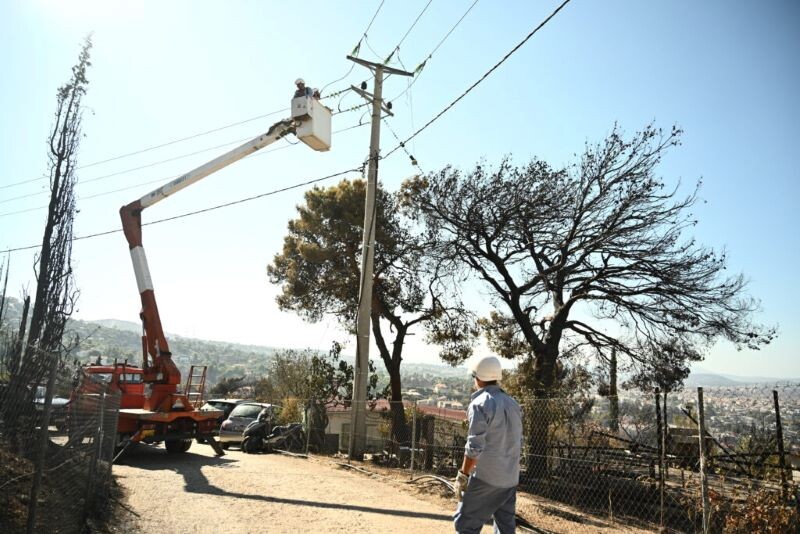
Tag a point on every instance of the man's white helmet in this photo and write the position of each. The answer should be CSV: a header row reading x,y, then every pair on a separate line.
x,y
298,81
487,369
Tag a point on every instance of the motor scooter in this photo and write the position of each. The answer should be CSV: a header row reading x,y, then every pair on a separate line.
x,y
260,437
256,432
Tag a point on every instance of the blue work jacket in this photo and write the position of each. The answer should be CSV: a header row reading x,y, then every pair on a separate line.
x,y
495,436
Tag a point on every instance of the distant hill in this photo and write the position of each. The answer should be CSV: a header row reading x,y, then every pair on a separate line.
x,y
111,339
119,325
434,369
707,379
710,380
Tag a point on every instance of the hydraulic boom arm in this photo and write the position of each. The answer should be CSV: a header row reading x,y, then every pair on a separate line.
x,y
160,369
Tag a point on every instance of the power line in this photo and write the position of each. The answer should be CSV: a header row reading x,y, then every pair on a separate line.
x,y
366,42
204,210
374,16
356,48
193,136
213,130
451,30
98,178
421,66
397,47
162,145
418,71
140,167
474,85
163,179
168,143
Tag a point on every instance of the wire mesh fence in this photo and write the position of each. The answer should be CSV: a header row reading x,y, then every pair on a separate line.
x,y
634,459
56,447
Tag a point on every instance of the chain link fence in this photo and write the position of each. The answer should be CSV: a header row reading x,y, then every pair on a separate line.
x,y
634,459
56,447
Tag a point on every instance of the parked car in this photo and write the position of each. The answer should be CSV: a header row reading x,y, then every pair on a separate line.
x,y
225,405
230,433
59,408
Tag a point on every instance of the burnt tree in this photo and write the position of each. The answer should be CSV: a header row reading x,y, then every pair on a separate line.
x,y
55,293
563,251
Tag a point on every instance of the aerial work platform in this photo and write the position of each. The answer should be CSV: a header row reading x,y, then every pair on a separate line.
x,y
315,122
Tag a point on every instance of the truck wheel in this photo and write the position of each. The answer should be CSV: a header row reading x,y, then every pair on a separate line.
x,y
175,446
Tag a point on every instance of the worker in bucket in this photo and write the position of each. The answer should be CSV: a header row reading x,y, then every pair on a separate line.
x,y
302,90
487,482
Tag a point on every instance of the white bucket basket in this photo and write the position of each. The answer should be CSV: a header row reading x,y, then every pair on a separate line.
x,y
315,122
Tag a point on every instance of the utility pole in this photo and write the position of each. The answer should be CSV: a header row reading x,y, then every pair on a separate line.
x,y
358,421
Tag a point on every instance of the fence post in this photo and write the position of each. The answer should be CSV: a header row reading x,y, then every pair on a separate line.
x,y
113,441
40,456
308,426
413,435
701,434
87,501
660,448
781,459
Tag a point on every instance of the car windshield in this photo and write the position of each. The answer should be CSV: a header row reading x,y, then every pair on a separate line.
x,y
246,410
215,405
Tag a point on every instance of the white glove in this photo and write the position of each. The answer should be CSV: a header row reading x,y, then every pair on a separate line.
x,y
460,484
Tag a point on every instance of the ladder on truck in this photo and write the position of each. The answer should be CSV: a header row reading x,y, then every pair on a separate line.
x,y
196,385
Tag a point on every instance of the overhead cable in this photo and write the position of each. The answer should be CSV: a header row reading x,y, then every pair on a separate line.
x,y
164,179
474,85
204,210
418,70
154,147
397,47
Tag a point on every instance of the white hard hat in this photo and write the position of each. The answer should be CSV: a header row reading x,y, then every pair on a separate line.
x,y
487,369
298,81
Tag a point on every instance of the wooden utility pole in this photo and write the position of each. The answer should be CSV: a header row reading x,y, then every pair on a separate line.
x,y
358,421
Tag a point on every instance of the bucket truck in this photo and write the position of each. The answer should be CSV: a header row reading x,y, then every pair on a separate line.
x,y
152,407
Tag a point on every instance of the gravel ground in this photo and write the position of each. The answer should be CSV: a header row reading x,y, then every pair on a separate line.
x,y
198,492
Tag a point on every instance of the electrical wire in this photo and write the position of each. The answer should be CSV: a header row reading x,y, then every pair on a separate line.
x,y
200,134
192,136
397,47
356,48
451,29
366,42
167,178
403,145
474,85
154,147
160,162
421,66
238,141
204,210
400,145
140,167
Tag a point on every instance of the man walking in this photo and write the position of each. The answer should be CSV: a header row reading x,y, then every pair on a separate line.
x,y
490,471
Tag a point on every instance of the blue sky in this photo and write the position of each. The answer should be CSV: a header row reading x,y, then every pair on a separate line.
x,y
726,72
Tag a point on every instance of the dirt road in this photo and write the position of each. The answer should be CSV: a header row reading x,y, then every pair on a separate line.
x,y
197,492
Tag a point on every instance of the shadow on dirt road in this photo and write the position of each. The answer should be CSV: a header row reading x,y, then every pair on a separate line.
x,y
189,465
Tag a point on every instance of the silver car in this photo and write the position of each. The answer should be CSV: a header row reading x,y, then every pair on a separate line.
x,y
230,433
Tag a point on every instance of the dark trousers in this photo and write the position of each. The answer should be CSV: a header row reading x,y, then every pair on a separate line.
x,y
482,501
